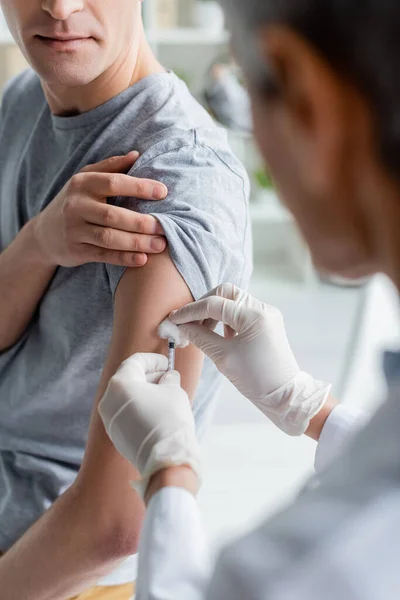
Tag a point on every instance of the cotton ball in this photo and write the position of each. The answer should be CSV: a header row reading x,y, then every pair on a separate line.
x,y
168,330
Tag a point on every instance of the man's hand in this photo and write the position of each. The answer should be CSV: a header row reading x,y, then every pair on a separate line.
x,y
148,417
79,226
254,355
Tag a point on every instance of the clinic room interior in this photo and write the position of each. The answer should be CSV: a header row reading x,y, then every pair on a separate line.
x,y
248,236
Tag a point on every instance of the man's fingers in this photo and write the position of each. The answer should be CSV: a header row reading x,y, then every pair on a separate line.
x,y
108,178
113,257
114,164
124,219
107,185
215,308
114,239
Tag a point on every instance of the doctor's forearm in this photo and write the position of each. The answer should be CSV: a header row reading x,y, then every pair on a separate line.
x,y
181,477
317,424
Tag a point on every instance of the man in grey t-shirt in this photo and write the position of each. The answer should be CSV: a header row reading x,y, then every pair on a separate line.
x,y
68,516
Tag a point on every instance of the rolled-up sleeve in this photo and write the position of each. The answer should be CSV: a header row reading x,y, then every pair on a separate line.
x,y
205,215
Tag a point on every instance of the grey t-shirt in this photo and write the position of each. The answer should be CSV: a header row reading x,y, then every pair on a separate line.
x,y
48,380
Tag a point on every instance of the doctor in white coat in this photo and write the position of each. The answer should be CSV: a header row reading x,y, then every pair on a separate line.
x,y
326,104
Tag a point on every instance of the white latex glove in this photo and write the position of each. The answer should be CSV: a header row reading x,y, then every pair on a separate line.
x,y
254,355
148,417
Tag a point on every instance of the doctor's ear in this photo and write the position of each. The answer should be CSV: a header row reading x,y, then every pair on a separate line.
x,y
311,104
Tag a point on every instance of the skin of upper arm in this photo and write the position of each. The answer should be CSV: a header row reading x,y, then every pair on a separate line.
x,y
143,299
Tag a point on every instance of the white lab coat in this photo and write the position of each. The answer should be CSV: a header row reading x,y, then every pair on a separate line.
x,y
339,541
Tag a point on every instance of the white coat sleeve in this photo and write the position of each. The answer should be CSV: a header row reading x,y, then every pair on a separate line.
x,y
173,558
342,424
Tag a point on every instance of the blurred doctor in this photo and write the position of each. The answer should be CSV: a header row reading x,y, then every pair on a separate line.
x,y
325,90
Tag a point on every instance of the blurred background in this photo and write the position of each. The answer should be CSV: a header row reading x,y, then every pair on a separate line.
x,y
337,330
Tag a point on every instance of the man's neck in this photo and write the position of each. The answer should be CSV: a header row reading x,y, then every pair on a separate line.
x,y
138,62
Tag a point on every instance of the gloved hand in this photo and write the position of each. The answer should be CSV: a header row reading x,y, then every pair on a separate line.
x,y
148,417
254,355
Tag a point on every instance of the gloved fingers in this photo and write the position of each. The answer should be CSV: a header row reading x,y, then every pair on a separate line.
x,y
187,314
171,378
151,362
229,333
226,290
216,308
111,405
210,324
143,367
209,342
155,377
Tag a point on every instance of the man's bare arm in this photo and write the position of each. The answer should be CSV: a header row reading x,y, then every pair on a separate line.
x,y
97,522
77,227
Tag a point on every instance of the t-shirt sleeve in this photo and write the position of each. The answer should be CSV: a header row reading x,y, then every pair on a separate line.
x,y
205,216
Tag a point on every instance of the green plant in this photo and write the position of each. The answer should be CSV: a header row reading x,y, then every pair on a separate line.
x,y
183,74
263,179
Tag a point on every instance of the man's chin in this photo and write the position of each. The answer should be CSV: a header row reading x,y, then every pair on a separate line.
x,y
68,75
74,69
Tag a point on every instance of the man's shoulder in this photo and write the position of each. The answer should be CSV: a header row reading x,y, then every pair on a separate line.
x,y
172,121
205,215
24,88
205,148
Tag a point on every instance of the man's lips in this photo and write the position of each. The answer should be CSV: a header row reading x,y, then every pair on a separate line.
x,y
69,42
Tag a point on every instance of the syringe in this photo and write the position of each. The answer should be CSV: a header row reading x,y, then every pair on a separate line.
x,y
169,331
171,355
